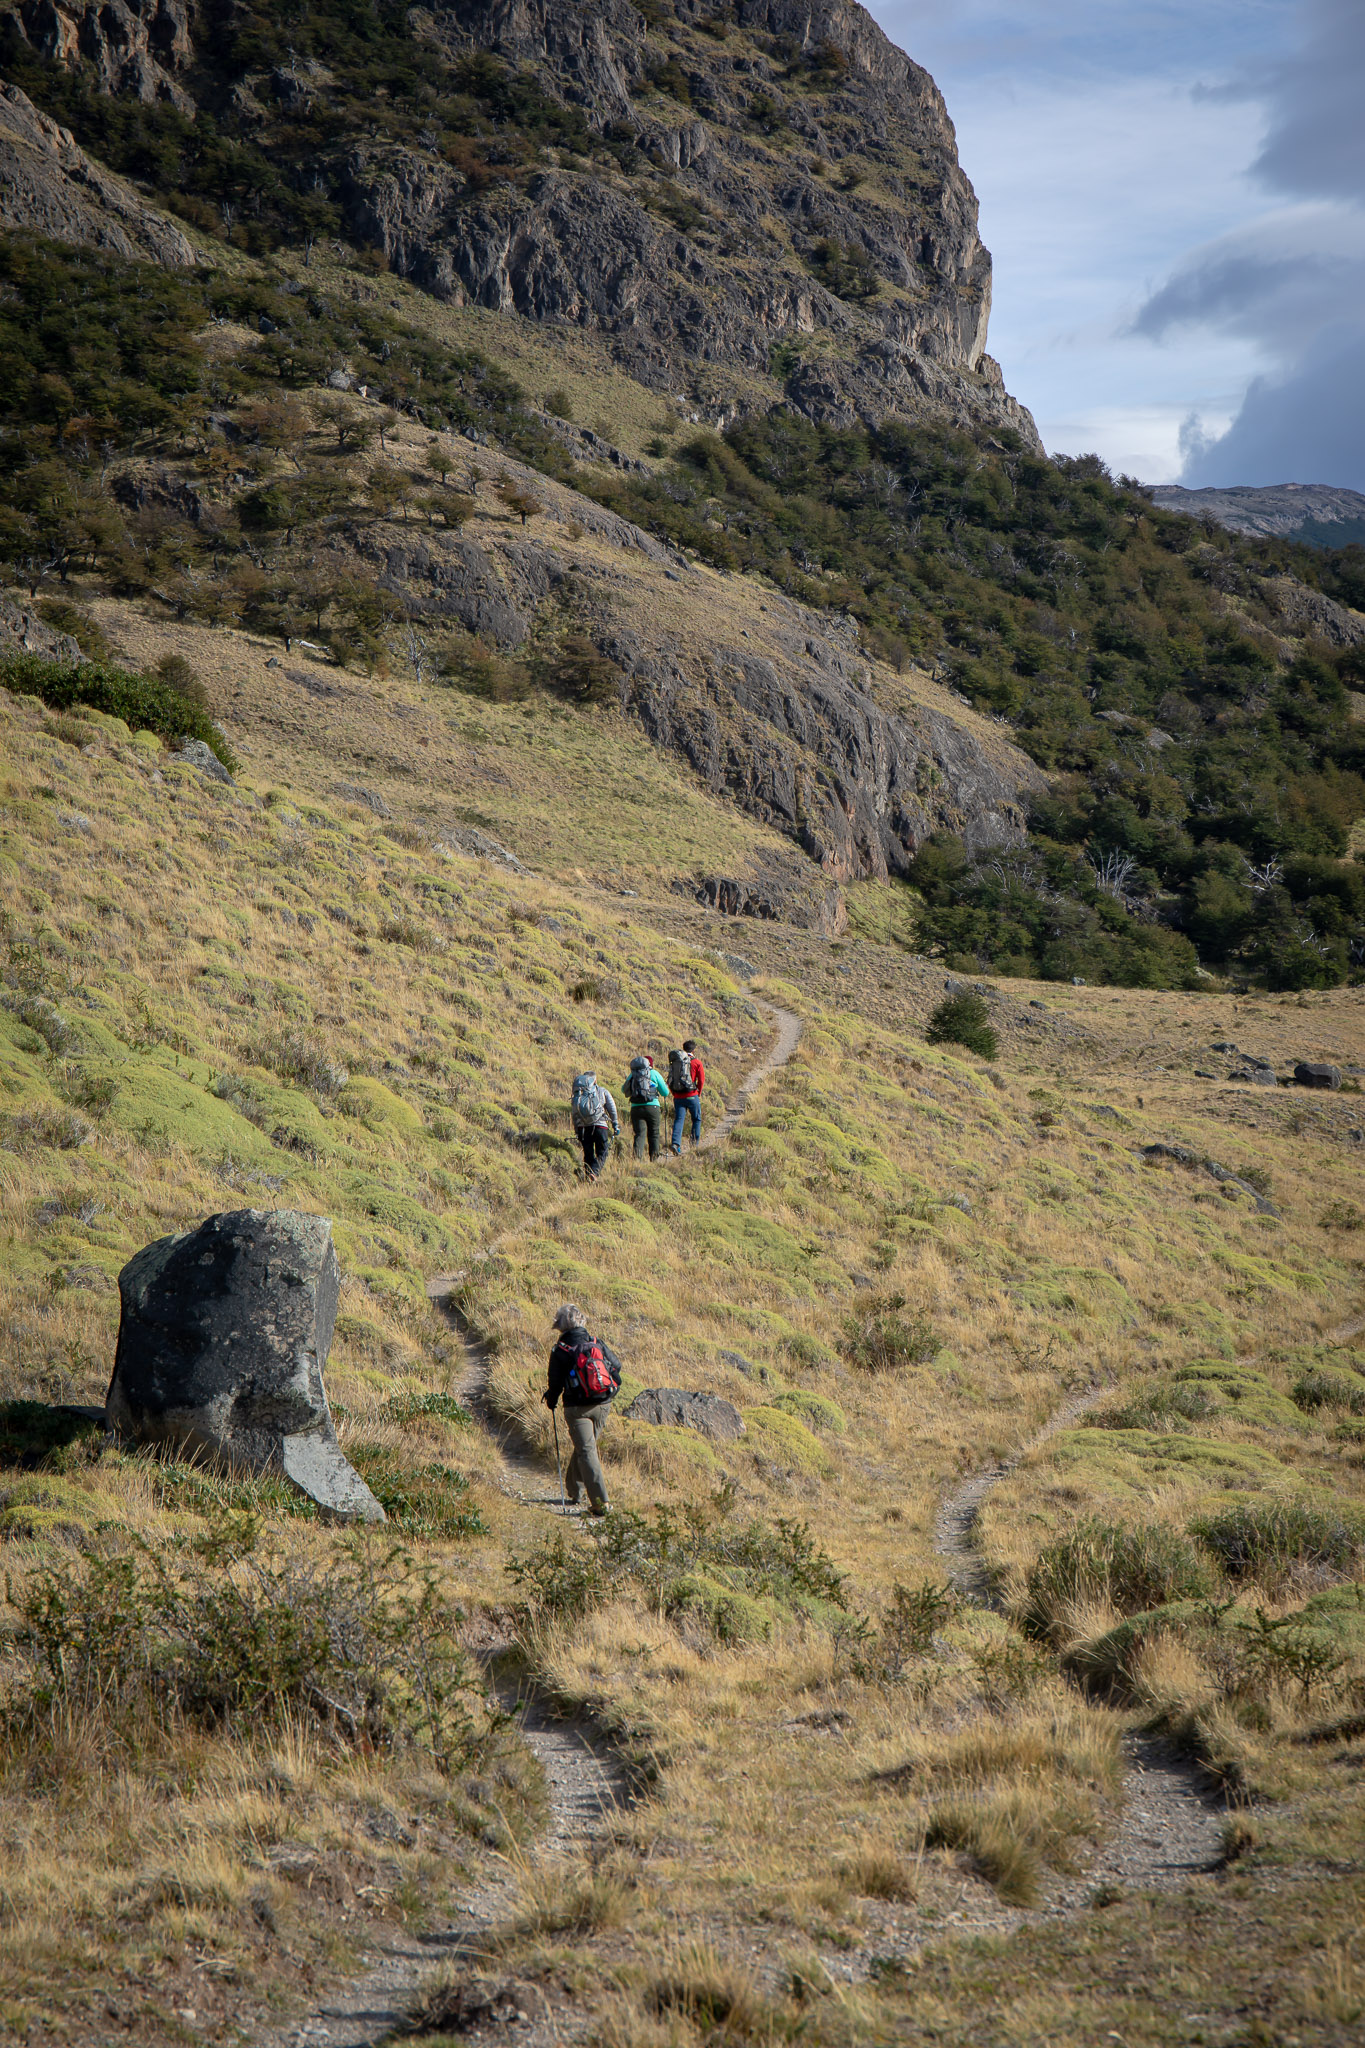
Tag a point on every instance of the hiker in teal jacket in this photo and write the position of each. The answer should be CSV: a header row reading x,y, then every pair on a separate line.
x,y
646,1092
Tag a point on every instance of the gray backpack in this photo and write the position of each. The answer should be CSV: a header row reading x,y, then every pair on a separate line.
x,y
680,1073
640,1084
587,1102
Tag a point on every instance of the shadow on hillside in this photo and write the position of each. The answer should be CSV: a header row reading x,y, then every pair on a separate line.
x,y
31,1432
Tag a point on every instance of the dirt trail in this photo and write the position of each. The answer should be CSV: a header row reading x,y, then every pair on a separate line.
x,y
524,1476
1171,1826
584,1786
585,1789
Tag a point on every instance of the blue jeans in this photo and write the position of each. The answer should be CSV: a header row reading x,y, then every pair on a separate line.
x,y
685,1106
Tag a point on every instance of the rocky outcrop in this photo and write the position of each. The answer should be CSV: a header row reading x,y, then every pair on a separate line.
x,y
223,1338
738,221
1306,613
770,189
788,717
24,632
133,47
777,891
51,187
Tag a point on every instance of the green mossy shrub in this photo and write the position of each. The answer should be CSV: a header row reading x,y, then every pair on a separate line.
x,y
153,703
1133,1569
1263,1537
433,1407
427,1500
813,1410
880,1338
225,1634
778,1435
730,1616
963,1019
1320,1387
1163,1406
664,1553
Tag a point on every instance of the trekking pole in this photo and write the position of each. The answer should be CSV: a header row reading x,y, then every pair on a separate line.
x,y
563,1497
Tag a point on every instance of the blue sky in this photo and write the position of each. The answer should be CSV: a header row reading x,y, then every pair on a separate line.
x,y
1174,196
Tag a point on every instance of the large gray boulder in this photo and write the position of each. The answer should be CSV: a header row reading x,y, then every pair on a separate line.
x,y
224,1334
673,1408
1317,1074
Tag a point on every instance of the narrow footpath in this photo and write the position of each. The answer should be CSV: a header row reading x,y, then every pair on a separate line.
x,y
1170,1827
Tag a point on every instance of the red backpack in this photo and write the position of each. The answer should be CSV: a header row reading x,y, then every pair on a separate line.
x,y
591,1375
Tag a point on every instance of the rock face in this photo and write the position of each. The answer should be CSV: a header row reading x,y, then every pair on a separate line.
x,y
672,1408
133,47
698,185
789,717
50,186
24,632
224,1334
736,222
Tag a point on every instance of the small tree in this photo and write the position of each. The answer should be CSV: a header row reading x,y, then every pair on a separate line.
x,y
963,1019
519,500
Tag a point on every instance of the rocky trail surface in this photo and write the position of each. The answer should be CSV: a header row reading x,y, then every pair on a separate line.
x,y
1171,1826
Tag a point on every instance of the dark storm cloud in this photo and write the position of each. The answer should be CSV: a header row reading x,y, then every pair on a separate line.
x,y
1293,282
1316,144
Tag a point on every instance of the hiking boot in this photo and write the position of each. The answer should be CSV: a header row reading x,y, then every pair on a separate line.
x,y
601,1507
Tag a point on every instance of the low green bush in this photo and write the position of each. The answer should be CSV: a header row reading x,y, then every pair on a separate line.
x,y
225,1634
669,1555
1270,1535
1320,1387
1133,1569
151,703
422,1500
963,1019
879,1338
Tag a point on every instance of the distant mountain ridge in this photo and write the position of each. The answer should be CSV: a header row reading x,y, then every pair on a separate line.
x,y
1322,515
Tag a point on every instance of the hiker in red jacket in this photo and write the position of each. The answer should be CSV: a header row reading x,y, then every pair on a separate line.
x,y
686,1079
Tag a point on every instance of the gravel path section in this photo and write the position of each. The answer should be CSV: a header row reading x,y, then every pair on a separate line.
x,y
585,1790
1171,1826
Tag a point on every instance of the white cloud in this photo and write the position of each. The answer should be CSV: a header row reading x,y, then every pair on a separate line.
x,y
1105,137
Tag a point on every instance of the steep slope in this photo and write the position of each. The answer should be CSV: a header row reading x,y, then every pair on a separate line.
x,y
701,185
51,187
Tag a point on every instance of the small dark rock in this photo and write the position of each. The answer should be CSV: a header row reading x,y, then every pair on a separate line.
x,y
356,793
674,1408
1222,1045
749,1369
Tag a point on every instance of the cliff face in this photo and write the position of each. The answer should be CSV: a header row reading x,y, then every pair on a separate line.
x,y
783,178
51,187
720,192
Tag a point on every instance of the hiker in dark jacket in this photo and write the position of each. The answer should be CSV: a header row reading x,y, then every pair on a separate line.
x,y
592,1110
686,1079
646,1092
576,1359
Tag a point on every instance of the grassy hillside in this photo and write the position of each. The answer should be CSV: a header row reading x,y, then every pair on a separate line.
x,y
273,993
176,437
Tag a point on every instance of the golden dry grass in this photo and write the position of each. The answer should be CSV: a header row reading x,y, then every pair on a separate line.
x,y
206,950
